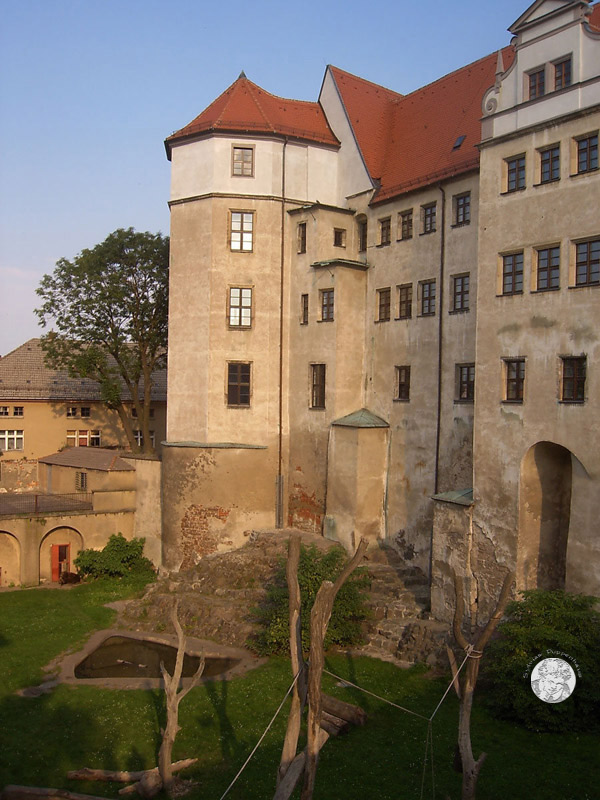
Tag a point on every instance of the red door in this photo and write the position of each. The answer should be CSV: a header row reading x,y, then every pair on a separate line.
x,y
60,558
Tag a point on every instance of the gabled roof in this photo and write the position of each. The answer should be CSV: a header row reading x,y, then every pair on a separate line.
x,y
363,418
245,108
542,10
25,376
409,141
89,458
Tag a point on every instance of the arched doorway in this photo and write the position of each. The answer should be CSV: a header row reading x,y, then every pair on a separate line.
x,y
544,516
57,552
10,559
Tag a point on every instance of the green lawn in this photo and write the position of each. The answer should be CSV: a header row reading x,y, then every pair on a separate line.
x,y
41,738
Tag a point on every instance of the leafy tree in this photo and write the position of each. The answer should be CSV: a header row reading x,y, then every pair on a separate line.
x,y
109,306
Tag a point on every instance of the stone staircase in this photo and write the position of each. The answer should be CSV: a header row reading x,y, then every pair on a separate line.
x,y
400,628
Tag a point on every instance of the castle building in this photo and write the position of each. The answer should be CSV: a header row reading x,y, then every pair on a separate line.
x,y
383,315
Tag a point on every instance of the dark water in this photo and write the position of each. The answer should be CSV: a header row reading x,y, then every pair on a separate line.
x,y
122,657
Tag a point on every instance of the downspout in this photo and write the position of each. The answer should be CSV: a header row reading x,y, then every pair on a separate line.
x,y
279,487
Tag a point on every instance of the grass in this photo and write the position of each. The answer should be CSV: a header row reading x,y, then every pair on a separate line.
x,y
42,738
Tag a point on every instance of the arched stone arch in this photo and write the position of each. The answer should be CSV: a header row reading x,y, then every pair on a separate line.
x,y
545,492
10,559
58,549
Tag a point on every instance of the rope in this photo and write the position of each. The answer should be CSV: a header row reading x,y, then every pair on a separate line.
x,y
247,761
469,650
383,700
425,760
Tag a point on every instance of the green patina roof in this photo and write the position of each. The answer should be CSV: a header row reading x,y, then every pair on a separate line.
x,y
341,262
361,419
217,445
463,497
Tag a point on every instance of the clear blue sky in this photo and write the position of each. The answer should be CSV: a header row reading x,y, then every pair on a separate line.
x,y
89,89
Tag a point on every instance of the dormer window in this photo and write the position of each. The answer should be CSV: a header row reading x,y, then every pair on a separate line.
x,y
537,83
562,73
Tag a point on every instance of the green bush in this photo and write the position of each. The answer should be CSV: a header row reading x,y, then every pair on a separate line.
x,y
119,557
315,566
545,625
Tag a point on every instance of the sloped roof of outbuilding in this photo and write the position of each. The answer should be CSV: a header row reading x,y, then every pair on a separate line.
x,y
245,108
89,458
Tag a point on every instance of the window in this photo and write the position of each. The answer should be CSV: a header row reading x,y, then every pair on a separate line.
x,y
385,231
460,292
362,235
317,395
304,309
302,237
537,83
428,215
339,237
405,301
512,273
465,383
3,411
462,209
573,379
238,384
403,383
550,164
240,307
72,411
243,161
134,413
139,438
587,153
384,301
587,263
406,224
562,73
515,380
85,411
427,298
515,173
11,440
548,268
81,481
241,231
83,438
327,305
18,411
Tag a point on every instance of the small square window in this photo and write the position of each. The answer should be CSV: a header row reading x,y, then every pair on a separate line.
x,y
465,383
427,289
384,297
537,83
317,395
460,292
243,161
402,383
515,380
406,224
587,263
242,231
550,164
405,301
327,305
72,411
462,209
587,153
85,411
385,231
95,438
512,273
304,309
548,268
18,411
3,411
238,384
562,74
240,307
339,237
362,227
428,214
302,237
573,379
81,481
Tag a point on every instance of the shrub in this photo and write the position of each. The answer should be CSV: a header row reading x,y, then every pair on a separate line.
x,y
542,625
119,557
314,567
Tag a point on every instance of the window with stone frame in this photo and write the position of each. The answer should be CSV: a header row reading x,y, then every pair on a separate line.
x,y
18,411
81,483
550,164
512,273
339,237
405,224
427,291
460,292
405,293
514,379
385,231
384,302
562,73
317,384
465,383
327,296
238,384
239,312
402,383
573,379
537,83
515,173
304,309
243,161
242,231
587,263
12,440
302,237
462,209
362,227
587,153
428,217
548,268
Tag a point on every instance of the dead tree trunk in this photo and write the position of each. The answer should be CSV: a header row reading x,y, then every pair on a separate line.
x,y
174,697
470,767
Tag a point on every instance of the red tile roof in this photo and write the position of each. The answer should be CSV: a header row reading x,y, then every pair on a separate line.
x,y
246,108
594,18
407,141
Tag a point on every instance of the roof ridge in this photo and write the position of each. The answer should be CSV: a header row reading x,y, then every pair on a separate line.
x,y
399,95
255,97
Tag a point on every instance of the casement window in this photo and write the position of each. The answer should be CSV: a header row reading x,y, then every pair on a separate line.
x,y
514,380
243,161
515,173
84,438
537,83
550,164
242,231
562,73
587,153
72,411
134,413
385,231
465,383
512,273
402,383
239,312
238,384
12,440
548,268
327,305
460,292
427,290
362,227
406,224
384,302
462,209
302,237
587,263
18,411
428,216
405,301
339,237
85,411
304,309
139,438
81,482
573,379
3,411
317,392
